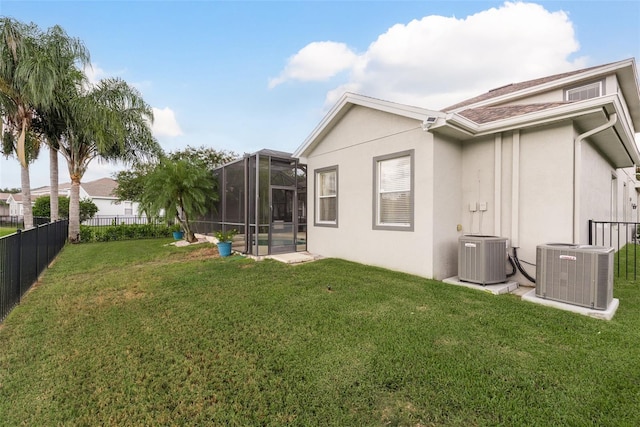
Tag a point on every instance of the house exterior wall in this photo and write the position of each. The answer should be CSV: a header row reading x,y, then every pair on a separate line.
x,y
352,145
447,204
543,209
546,188
108,207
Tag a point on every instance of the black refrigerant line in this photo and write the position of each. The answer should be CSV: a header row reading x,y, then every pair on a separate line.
x,y
516,261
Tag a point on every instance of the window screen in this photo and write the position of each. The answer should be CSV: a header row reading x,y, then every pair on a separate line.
x,y
394,191
327,196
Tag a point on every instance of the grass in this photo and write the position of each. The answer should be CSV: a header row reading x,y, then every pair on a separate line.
x,y
5,231
137,333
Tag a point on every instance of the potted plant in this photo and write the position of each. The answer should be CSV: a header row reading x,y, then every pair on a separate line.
x,y
225,238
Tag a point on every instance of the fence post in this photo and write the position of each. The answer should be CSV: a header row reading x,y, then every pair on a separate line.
x,y
19,265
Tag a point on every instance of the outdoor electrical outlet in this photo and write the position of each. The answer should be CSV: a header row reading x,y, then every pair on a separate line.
x,y
483,206
473,206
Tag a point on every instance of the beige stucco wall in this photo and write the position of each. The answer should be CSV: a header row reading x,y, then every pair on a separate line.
x,y
521,182
351,145
447,203
542,174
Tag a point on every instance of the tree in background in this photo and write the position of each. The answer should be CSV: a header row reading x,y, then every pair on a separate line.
x,y
24,83
109,121
34,67
131,183
207,157
42,206
181,189
65,54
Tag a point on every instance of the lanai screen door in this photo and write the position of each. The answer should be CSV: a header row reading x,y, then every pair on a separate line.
x,y
283,220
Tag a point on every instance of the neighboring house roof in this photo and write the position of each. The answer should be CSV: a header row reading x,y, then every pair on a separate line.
x,y
103,187
100,188
17,197
4,196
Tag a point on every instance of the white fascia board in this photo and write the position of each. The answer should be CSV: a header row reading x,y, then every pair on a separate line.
x,y
346,102
563,82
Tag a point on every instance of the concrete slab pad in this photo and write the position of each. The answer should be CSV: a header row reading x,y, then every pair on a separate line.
x,y
598,314
293,257
496,289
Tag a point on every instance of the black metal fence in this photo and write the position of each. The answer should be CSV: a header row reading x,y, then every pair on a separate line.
x,y
14,221
24,255
623,237
109,220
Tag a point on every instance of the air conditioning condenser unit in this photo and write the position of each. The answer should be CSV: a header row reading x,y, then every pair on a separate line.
x,y
575,274
482,259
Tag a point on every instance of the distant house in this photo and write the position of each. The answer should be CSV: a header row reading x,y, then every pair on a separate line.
x,y
100,191
4,204
396,185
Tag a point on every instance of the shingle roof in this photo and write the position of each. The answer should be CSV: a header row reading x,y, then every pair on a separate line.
x,y
489,114
514,87
102,187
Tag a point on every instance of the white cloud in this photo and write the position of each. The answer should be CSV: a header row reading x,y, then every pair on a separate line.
x,y
165,123
94,73
317,61
437,61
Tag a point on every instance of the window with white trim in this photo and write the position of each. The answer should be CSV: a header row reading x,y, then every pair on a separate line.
x,y
393,191
326,187
591,90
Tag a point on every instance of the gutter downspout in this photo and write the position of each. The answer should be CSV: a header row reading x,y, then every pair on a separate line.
x,y
515,190
577,168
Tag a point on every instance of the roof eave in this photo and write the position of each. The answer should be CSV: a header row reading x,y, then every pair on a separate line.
x,y
625,68
346,102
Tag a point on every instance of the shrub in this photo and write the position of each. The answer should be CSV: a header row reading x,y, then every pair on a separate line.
x,y
126,232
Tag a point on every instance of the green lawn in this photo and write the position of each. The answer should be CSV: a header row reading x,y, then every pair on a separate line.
x,y
137,333
4,231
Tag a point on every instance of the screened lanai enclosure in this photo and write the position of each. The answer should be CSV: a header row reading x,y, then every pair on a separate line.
x,y
263,196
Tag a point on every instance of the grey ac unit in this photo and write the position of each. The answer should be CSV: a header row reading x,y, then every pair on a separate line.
x,y
575,274
481,259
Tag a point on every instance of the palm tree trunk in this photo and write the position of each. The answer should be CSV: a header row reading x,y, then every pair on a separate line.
x,y
26,196
53,177
74,211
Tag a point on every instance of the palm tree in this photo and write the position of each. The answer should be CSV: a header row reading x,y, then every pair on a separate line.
x,y
181,189
34,69
25,81
64,54
111,122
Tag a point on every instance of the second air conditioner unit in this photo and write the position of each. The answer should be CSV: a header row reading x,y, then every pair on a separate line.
x,y
575,274
482,259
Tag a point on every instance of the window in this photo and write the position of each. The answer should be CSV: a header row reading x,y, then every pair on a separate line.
x,y
393,191
592,90
327,196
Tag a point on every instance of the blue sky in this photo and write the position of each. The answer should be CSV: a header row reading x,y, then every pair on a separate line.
x,y
247,75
